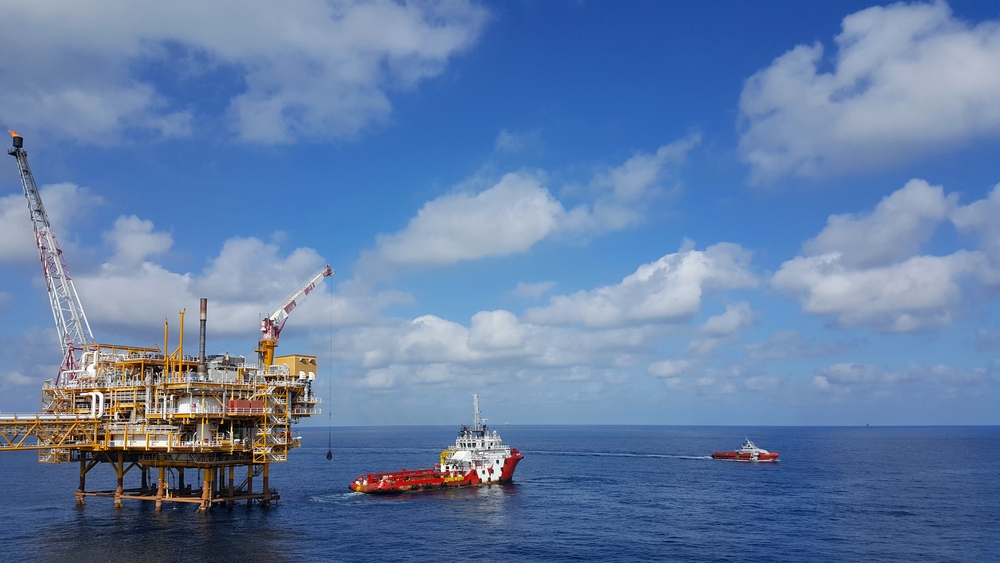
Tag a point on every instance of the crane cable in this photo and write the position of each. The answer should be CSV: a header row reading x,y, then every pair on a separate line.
x,y
329,437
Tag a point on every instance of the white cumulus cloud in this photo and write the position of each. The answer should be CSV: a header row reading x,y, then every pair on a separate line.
x,y
519,210
907,80
736,317
667,290
621,194
509,217
496,330
134,240
247,279
723,329
65,204
866,270
639,174
920,293
308,69
982,218
899,225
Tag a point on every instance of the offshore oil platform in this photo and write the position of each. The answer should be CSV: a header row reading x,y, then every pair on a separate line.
x,y
219,419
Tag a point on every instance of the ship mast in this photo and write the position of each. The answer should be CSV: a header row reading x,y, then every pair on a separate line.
x,y
475,411
71,321
477,423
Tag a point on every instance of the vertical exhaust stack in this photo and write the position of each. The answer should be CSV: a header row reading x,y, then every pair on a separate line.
x,y
202,368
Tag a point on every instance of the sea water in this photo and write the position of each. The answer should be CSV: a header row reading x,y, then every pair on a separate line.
x,y
582,493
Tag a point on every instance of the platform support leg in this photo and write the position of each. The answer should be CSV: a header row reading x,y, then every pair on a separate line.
x,y
232,477
250,484
180,480
206,491
83,482
120,471
159,489
267,489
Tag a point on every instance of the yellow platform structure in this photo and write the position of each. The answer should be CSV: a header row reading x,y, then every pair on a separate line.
x,y
135,408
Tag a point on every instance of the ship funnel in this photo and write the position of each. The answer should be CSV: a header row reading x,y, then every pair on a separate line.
x,y
202,369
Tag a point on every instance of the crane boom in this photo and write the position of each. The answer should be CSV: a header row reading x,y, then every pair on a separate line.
x,y
271,326
71,321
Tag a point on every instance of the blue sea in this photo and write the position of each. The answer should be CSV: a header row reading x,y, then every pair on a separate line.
x,y
582,493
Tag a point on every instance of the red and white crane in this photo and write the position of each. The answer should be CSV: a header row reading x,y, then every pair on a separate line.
x,y
71,321
271,326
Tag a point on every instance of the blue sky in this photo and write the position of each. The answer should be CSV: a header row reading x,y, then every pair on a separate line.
x,y
588,212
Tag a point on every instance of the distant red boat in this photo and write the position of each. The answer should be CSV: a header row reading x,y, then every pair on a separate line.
x,y
747,452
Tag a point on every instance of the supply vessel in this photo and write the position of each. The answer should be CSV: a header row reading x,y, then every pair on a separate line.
x,y
747,452
479,457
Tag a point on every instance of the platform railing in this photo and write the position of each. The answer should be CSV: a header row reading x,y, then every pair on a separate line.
x,y
32,417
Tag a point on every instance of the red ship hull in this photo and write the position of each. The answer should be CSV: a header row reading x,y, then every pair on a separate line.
x,y
740,456
406,480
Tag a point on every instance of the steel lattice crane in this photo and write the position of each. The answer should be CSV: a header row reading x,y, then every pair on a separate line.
x,y
271,326
71,321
